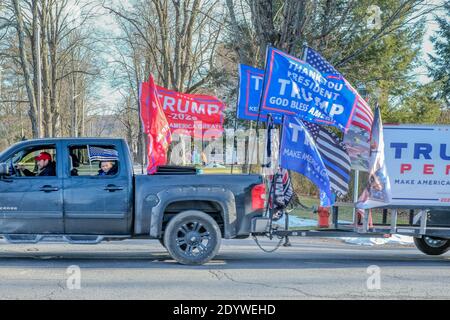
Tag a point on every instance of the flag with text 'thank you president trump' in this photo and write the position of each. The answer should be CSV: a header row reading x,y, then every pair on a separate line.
x,y
294,87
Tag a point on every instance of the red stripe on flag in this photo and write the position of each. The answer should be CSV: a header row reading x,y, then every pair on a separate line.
x,y
359,124
365,108
364,117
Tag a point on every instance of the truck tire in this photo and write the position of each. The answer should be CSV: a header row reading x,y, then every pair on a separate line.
x,y
432,246
192,237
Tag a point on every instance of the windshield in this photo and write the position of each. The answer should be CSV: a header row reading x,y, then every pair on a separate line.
x,y
6,151
23,155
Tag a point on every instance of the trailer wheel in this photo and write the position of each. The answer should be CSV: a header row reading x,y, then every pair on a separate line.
x,y
432,246
192,237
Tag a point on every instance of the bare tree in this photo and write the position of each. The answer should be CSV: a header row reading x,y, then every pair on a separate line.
x,y
50,45
180,37
25,64
176,40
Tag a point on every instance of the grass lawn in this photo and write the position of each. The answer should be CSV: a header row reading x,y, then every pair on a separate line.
x,y
345,213
226,170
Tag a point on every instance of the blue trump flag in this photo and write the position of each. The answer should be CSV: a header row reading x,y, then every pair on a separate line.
x,y
298,152
250,89
294,87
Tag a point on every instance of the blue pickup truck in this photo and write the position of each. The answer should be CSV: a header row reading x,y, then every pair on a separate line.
x,y
188,212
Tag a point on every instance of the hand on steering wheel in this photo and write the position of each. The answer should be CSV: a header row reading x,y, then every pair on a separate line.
x,y
15,171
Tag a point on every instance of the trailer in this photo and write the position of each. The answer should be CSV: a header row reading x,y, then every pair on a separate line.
x,y
429,237
418,164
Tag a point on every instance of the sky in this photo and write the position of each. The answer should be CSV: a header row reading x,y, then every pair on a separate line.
x,y
109,96
431,28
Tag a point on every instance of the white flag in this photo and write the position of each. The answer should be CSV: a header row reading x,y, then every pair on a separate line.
x,y
378,190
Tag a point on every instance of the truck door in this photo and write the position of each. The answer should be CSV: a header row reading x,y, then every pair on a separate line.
x,y
97,190
31,200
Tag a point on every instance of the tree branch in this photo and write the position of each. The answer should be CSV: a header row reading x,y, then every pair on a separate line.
x,y
77,71
14,101
378,35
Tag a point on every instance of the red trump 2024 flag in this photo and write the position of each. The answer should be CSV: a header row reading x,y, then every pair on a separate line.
x,y
196,115
155,126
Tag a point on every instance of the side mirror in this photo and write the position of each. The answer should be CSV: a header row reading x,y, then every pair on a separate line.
x,y
4,169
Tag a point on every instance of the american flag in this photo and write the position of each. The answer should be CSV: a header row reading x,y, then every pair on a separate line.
x,y
363,117
334,156
102,154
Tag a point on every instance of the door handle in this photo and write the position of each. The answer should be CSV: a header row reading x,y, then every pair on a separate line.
x,y
48,188
112,188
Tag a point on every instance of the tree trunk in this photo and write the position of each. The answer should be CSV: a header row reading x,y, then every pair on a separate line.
x,y
36,54
32,112
74,110
47,115
262,19
53,43
54,108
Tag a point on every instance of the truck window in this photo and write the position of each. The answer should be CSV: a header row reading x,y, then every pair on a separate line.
x,y
27,162
93,160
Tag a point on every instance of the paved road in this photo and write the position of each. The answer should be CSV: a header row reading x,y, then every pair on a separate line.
x,y
311,268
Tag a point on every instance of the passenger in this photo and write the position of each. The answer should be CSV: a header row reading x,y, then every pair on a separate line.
x,y
75,163
46,167
108,168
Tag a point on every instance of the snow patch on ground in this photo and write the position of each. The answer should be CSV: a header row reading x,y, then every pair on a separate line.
x,y
295,221
394,239
363,241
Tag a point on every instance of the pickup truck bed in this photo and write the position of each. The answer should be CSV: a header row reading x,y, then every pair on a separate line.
x,y
226,197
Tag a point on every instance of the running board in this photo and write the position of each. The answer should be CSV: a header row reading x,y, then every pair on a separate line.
x,y
72,239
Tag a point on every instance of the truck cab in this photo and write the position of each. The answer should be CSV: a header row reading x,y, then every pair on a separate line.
x,y
77,200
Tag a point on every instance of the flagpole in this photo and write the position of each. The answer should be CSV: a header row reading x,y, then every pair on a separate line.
x,y
355,193
233,154
272,185
89,157
259,110
233,160
286,243
305,50
356,177
143,144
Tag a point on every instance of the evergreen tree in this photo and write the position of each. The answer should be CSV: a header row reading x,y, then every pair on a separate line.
x,y
438,68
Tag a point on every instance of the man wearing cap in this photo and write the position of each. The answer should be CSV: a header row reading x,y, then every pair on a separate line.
x,y
46,168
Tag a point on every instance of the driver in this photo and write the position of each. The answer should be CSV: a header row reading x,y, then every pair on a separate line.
x,y
46,167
